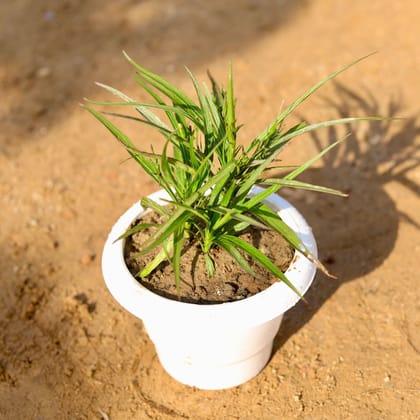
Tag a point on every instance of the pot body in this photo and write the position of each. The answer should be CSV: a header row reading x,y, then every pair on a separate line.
x,y
210,346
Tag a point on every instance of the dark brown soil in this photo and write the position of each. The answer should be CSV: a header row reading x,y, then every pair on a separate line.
x,y
229,283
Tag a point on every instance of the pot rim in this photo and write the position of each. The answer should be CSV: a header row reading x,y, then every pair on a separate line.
x,y
259,308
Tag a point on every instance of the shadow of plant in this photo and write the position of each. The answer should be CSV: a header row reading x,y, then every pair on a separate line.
x,y
356,234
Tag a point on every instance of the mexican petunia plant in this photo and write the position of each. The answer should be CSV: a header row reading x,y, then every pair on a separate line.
x,y
207,174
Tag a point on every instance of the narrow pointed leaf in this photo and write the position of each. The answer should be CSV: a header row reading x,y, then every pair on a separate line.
x,y
149,268
209,265
230,118
181,214
238,257
172,92
310,91
137,228
261,259
272,219
302,186
148,165
151,204
186,111
146,113
178,241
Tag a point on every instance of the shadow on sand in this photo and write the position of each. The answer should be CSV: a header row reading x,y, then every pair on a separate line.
x,y
356,234
52,53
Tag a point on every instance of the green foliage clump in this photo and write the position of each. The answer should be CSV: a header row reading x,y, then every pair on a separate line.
x,y
207,175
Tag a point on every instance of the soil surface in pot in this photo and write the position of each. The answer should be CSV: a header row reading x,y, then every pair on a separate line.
x,y
229,282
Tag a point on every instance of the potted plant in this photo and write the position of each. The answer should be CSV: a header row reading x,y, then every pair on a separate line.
x,y
169,259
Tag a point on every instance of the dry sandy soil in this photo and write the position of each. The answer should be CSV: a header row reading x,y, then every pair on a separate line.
x,y
67,350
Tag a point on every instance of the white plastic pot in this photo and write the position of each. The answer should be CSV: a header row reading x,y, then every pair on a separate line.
x,y
210,346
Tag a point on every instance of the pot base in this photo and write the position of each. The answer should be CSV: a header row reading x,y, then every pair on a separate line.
x,y
210,377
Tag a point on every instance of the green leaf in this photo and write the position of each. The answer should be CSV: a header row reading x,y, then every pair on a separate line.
x,y
209,265
230,118
165,231
238,257
165,132
171,117
146,113
302,186
196,211
147,164
152,204
235,214
162,256
308,163
203,171
173,93
312,127
178,241
273,220
181,215
205,111
137,228
250,202
314,88
185,111
167,174
218,97
309,92
214,113
149,268
260,258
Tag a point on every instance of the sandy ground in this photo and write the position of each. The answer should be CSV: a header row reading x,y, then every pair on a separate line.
x,y
67,350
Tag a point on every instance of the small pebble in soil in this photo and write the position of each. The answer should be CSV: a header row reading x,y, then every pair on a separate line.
x,y
245,293
83,299
87,259
232,286
298,396
33,222
43,72
226,289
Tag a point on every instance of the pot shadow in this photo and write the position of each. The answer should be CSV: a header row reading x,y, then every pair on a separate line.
x,y
355,234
